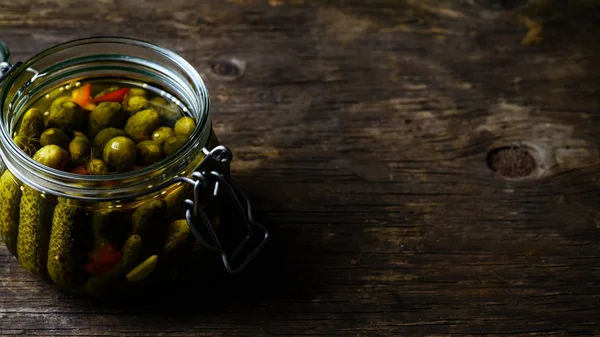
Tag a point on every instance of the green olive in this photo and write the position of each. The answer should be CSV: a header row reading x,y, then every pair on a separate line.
x,y
119,153
79,148
161,134
173,144
148,152
184,126
97,167
140,126
106,114
55,136
52,156
105,135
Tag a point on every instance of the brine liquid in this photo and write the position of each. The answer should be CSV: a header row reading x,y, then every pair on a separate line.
x,y
103,126
171,104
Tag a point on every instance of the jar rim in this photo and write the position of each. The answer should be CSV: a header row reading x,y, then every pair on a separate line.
x,y
124,181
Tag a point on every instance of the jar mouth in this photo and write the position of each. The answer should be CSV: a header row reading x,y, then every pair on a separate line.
x,y
119,57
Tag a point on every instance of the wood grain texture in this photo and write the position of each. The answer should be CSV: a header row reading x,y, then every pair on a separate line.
x,y
361,131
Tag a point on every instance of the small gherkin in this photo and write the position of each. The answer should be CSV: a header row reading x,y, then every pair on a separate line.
x,y
161,134
35,216
96,167
32,124
105,135
106,114
52,156
54,136
173,143
140,126
120,154
67,116
184,126
79,148
62,253
149,152
10,198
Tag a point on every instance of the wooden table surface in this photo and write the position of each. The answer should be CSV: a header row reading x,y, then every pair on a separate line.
x,y
424,169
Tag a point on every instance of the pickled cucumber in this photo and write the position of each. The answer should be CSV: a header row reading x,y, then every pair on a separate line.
x,y
178,234
10,198
62,255
172,144
168,112
79,148
136,104
175,201
130,253
119,154
106,228
149,152
145,216
161,134
52,156
105,135
140,126
54,136
142,270
137,92
32,124
57,102
106,114
184,127
66,116
35,214
96,167
54,94
35,217
158,101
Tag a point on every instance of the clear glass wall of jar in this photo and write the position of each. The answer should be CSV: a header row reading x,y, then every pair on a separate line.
x,y
135,229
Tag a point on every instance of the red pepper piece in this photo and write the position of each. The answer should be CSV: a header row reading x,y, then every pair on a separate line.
x,y
114,96
80,170
82,97
103,260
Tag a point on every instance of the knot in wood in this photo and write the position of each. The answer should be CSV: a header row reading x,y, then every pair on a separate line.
x,y
512,161
229,69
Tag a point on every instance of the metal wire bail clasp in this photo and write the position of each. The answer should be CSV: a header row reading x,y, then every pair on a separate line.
x,y
5,66
203,179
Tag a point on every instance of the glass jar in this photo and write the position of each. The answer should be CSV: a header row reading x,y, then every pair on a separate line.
x,y
102,235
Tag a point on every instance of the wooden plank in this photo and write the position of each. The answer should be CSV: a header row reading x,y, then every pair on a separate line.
x,y
362,133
